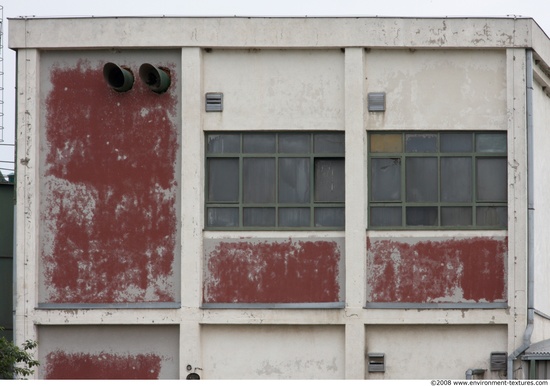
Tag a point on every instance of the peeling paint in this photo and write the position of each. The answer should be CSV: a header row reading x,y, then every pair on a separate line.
x,y
61,365
453,270
109,190
273,272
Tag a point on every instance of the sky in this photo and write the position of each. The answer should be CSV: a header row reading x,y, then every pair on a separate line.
x,y
537,9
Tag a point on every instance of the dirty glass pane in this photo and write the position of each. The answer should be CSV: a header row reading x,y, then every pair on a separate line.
x,y
386,143
385,179
385,217
492,216
457,216
223,217
294,180
223,179
294,217
329,143
258,180
491,179
258,143
421,179
456,179
259,217
224,143
491,142
329,217
421,143
329,180
456,142
294,143
417,215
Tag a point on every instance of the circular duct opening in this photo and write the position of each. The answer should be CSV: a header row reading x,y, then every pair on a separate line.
x,y
156,78
120,79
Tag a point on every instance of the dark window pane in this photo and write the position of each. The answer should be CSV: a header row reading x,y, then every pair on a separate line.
x,y
294,143
329,180
492,216
385,217
491,180
421,143
224,143
258,143
456,142
258,180
294,217
223,217
491,142
329,143
294,180
259,217
223,180
385,179
386,143
421,179
456,179
458,216
417,215
329,217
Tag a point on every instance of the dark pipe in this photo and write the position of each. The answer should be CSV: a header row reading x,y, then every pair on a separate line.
x,y
156,78
120,79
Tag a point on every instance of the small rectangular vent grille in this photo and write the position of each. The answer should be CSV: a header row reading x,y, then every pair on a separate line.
x,y
498,361
376,363
376,101
214,101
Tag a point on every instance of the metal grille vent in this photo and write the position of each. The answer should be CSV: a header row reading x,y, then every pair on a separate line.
x,y
214,101
498,361
376,101
376,363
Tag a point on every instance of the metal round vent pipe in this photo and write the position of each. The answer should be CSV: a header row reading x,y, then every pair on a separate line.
x,y
156,78
119,78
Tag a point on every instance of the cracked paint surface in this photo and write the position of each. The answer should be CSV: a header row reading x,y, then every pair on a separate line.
x,y
62,365
452,270
109,189
291,271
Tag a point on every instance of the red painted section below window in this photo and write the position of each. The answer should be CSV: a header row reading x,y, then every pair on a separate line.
x,y
108,207
442,271
273,272
61,365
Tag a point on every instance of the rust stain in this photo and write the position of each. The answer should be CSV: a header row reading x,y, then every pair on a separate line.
x,y
61,365
451,270
273,272
108,208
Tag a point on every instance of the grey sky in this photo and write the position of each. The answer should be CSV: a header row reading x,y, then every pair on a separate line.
x,y
538,9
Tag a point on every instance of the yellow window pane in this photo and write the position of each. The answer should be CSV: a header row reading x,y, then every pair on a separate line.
x,y
386,143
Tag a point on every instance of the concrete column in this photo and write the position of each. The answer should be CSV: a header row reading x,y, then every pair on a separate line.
x,y
356,192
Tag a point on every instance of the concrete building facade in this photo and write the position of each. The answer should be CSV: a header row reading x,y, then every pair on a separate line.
x,y
282,198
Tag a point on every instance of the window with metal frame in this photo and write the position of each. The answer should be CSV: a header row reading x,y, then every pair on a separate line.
x,y
268,180
424,180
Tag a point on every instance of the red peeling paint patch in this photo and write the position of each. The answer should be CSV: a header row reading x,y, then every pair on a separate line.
x,y
61,365
273,272
108,209
453,270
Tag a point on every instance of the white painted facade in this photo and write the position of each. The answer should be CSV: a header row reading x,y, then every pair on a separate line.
x,y
310,74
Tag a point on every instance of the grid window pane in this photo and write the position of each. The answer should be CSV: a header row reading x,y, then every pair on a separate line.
x,y
329,180
259,217
421,179
294,143
325,143
456,179
421,215
457,216
294,217
492,216
456,142
329,217
258,180
258,143
492,180
294,180
223,179
385,179
386,143
491,143
223,217
223,143
421,143
385,217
